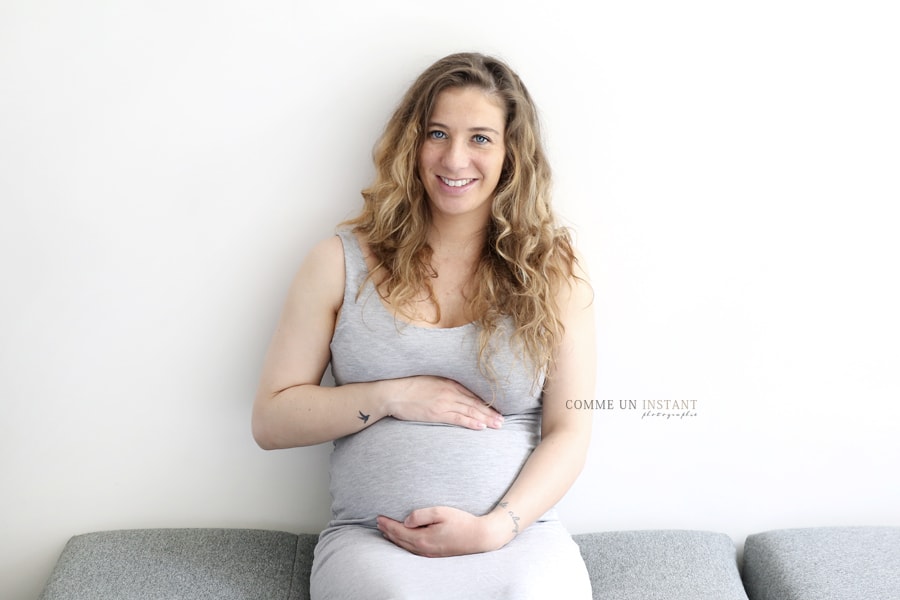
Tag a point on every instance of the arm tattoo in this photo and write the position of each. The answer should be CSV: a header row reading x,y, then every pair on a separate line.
x,y
362,417
512,516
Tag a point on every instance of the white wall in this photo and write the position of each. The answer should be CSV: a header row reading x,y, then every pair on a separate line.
x,y
731,168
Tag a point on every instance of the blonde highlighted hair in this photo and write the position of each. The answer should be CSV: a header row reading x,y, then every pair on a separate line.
x,y
527,257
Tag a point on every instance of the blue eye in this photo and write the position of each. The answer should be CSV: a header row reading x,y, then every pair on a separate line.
x,y
437,135
480,139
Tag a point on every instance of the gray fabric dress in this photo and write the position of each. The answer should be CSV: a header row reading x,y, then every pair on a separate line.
x,y
394,467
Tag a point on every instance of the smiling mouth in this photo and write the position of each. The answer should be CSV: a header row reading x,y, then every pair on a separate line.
x,y
456,182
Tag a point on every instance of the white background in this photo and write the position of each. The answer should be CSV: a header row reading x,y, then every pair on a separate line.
x,y
731,170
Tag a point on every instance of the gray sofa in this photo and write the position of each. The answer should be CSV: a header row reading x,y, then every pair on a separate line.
x,y
230,564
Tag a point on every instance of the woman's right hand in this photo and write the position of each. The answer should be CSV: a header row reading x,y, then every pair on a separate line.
x,y
293,409
433,399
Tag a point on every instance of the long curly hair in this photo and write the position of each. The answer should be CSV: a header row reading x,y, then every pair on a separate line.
x,y
527,257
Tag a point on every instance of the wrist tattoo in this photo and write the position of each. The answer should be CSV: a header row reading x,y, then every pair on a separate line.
x,y
362,417
512,516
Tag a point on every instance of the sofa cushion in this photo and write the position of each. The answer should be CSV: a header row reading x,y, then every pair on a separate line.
x,y
662,565
151,564
827,563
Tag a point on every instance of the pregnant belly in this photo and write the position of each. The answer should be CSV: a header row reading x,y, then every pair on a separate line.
x,y
394,467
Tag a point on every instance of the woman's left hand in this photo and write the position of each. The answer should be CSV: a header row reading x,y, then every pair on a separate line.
x,y
444,531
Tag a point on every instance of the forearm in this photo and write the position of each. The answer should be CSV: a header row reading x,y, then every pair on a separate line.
x,y
565,434
304,415
544,479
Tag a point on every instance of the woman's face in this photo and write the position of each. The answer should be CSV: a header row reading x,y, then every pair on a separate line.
x,y
462,157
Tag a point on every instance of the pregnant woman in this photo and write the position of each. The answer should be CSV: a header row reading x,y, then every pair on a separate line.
x,y
457,321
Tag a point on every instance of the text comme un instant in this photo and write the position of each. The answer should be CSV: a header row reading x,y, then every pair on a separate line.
x,y
632,404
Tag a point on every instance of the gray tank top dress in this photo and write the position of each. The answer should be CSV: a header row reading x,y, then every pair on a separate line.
x,y
393,467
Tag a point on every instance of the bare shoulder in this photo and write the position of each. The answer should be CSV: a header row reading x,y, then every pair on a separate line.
x,y
299,350
327,253
321,275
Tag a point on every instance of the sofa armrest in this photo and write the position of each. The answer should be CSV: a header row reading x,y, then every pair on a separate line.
x,y
823,563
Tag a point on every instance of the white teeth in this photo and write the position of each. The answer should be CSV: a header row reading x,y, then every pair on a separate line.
x,y
456,182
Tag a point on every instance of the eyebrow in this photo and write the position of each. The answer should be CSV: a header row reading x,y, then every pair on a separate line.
x,y
471,129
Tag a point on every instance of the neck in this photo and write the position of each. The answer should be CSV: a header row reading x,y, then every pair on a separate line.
x,y
457,239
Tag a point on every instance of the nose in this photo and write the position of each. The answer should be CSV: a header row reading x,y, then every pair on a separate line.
x,y
455,156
